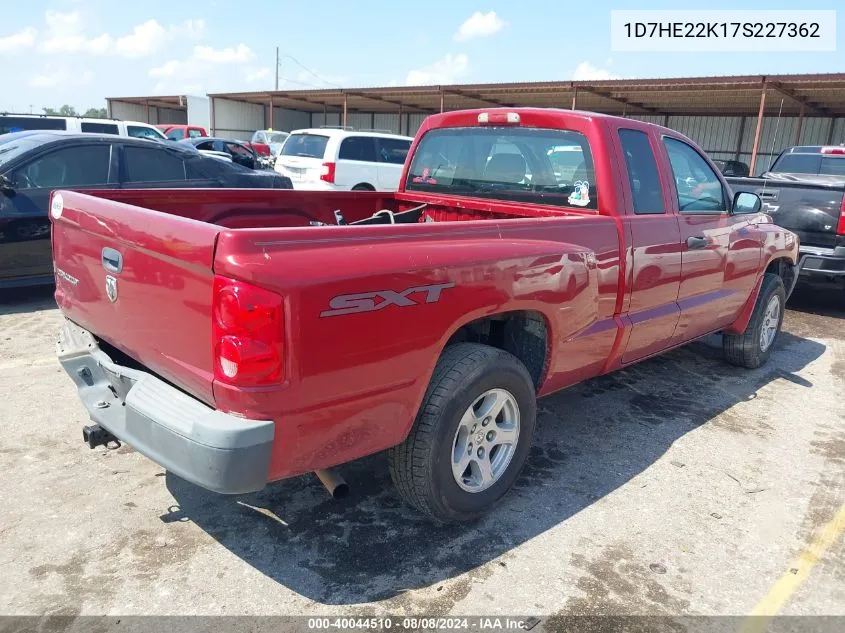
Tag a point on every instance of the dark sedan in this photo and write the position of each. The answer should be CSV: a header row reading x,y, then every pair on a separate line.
x,y
241,154
33,164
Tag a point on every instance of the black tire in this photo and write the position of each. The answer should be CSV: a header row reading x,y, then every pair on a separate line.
x,y
421,466
363,187
746,349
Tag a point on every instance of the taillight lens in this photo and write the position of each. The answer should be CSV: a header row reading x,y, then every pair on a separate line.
x,y
840,228
327,172
248,334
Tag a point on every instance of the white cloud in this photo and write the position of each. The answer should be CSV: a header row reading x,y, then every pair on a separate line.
x,y
61,78
64,35
239,53
446,70
255,75
17,41
203,67
167,70
585,71
480,25
144,40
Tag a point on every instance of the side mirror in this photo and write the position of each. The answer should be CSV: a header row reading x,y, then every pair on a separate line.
x,y
746,202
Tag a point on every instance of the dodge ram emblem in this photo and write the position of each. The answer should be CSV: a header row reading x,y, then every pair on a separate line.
x,y
111,288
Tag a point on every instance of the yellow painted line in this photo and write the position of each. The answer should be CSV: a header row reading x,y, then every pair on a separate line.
x,y
38,362
799,571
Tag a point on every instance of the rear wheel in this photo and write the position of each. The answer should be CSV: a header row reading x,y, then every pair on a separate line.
x,y
753,347
471,436
363,187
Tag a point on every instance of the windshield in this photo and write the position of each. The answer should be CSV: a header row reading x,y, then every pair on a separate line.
x,y
810,164
278,138
519,164
308,145
11,147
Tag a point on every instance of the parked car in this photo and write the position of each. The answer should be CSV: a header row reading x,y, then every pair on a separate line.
x,y
177,132
273,139
732,167
295,335
24,122
33,164
804,191
341,160
237,151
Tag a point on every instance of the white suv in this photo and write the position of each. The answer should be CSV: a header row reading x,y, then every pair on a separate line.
x,y
135,129
332,159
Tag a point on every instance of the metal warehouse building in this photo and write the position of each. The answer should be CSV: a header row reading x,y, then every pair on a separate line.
x,y
747,118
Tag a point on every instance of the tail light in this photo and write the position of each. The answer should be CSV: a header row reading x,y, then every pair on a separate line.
x,y
247,334
840,228
839,151
327,172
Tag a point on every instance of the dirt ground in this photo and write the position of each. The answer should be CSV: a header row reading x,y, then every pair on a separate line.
x,y
680,486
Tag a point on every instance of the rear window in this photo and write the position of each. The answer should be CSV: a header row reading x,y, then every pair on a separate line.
x,y
361,148
19,124
393,150
810,164
307,145
541,166
99,128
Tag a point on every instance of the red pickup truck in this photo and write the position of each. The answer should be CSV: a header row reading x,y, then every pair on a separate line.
x,y
242,337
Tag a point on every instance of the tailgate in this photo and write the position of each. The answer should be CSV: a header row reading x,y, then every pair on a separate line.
x,y
808,209
141,280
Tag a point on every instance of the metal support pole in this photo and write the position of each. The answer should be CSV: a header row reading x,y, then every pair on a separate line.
x,y
800,125
345,107
741,138
213,118
400,118
665,120
830,130
272,122
574,96
758,131
441,100
149,115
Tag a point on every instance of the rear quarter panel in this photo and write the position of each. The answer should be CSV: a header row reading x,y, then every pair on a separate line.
x,y
356,380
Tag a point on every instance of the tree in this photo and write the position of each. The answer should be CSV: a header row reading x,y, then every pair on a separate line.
x,y
69,110
65,110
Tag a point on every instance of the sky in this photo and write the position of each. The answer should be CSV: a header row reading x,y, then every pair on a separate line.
x,y
79,52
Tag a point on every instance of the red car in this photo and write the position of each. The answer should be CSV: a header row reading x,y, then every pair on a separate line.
x,y
242,337
181,132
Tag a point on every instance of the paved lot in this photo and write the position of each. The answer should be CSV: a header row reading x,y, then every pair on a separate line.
x,y
680,486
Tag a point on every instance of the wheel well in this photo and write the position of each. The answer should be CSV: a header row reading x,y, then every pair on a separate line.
x,y
784,269
524,334
362,186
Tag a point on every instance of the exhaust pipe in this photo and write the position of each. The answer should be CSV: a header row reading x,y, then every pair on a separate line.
x,y
95,436
333,482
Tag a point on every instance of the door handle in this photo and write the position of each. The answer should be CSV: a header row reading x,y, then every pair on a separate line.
x,y
696,241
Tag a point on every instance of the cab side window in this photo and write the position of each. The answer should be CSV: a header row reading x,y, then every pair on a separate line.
x,y
699,188
646,191
76,166
361,148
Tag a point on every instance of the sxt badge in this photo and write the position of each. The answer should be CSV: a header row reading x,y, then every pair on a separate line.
x,y
366,301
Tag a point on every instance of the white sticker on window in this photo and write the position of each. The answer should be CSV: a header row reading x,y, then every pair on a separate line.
x,y
580,196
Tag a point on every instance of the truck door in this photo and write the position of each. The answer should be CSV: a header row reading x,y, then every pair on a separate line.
x,y
721,251
654,239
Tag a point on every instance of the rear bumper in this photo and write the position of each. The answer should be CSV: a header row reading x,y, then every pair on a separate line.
x,y
822,261
212,449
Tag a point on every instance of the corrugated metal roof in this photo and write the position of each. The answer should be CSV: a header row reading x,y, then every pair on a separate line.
x,y
820,95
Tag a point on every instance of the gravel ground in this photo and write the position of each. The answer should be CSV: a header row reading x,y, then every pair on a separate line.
x,y
680,486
